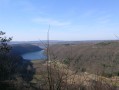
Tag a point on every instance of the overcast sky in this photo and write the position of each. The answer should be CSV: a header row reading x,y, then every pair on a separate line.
x,y
28,20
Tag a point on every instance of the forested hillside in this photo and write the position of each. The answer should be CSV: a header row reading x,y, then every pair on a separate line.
x,y
24,48
101,57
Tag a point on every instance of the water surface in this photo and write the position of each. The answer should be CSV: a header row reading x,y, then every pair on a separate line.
x,y
38,55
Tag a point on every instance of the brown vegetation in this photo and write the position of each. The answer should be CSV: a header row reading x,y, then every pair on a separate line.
x,y
86,66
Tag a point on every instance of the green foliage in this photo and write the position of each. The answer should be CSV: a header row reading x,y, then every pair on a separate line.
x,y
83,69
104,43
116,73
108,75
66,61
12,66
4,47
24,48
106,65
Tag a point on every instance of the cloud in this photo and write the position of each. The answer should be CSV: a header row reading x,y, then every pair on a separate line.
x,y
50,21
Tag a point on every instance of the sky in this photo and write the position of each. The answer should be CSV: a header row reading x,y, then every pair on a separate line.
x,y
29,20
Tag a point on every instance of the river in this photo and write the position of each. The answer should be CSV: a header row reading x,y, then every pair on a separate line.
x,y
38,55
